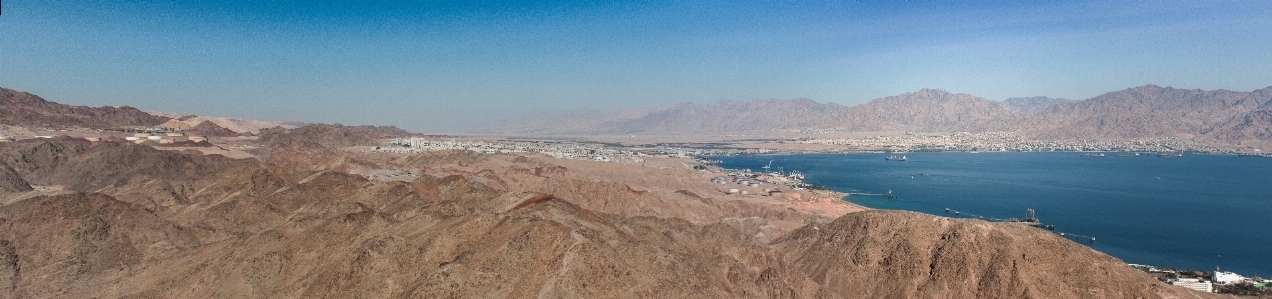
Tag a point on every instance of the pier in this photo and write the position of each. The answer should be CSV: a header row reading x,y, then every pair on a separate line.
x,y
889,194
1030,219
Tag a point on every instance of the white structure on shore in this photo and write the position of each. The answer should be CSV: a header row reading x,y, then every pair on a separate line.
x,y
1195,283
1226,277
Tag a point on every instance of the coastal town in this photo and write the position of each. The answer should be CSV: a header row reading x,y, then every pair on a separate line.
x,y
1209,281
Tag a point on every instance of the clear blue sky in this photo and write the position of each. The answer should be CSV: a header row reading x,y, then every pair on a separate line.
x,y
442,66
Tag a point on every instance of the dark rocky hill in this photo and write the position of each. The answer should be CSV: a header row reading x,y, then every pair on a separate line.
x,y
81,165
21,108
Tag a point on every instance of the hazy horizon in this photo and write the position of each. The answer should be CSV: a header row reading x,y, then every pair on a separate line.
x,y
446,67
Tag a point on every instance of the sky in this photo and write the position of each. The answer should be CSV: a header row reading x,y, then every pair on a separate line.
x,y
453,66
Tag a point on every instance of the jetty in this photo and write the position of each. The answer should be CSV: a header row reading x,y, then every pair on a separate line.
x,y
889,194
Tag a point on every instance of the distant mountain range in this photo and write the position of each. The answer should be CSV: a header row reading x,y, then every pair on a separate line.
x,y
1150,111
1221,116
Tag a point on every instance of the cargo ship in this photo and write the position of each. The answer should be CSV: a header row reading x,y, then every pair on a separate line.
x,y
895,158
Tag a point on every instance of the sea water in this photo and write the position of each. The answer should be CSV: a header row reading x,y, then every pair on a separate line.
x,y
1195,212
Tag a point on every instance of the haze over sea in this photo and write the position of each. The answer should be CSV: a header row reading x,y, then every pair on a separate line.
x,y
1198,212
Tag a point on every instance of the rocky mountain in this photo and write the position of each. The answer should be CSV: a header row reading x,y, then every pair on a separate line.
x,y
21,108
1251,129
899,254
1146,111
928,109
264,231
317,146
80,165
1033,105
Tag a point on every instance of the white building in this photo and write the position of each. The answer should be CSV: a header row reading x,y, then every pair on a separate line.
x,y
1194,283
1227,277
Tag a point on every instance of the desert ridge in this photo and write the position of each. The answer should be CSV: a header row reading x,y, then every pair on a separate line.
x,y
323,211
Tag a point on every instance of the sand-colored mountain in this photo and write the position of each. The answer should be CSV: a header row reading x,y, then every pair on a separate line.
x,y
474,225
241,126
898,254
260,231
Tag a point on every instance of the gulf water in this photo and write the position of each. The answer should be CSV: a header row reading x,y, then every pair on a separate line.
x,y
1195,212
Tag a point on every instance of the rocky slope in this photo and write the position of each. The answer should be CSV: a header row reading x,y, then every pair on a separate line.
x,y
80,165
317,146
21,108
1146,111
257,231
1251,129
482,226
897,254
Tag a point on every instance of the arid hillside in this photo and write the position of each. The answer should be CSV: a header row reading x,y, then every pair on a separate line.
x,y
462,225
21,108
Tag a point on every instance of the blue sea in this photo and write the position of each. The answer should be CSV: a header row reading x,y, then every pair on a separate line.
x,y
1195,212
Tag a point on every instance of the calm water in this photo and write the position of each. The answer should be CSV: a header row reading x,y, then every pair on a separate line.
x,y
1197,212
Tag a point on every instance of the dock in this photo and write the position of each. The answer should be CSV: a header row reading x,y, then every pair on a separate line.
x,y
889,194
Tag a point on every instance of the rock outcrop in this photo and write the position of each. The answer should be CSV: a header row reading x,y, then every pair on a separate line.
x,y
81,165
897,254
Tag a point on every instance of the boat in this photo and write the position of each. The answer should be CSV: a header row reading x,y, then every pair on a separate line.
x,y
1092,155
1128,155
895,158
1166,155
